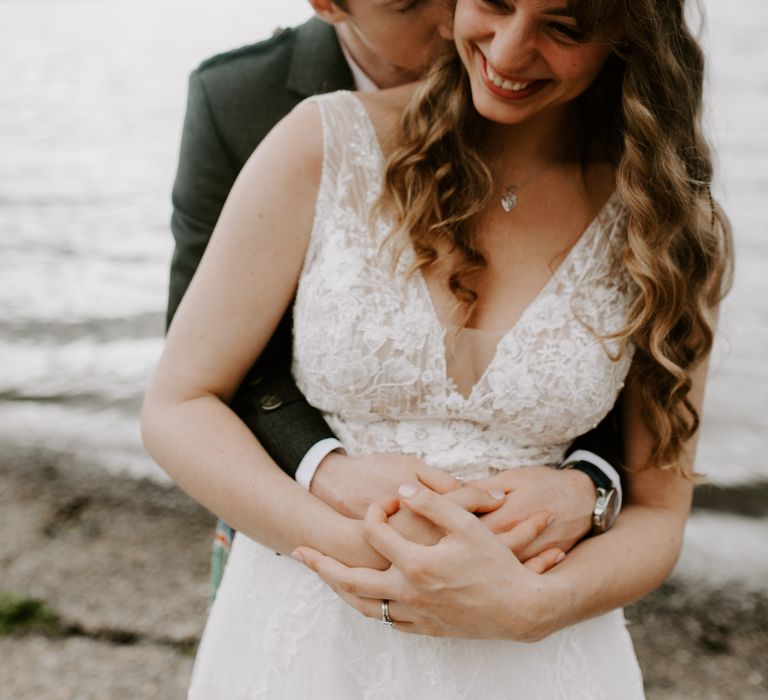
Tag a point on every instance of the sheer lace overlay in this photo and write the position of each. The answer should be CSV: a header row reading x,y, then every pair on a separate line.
x,y
370,352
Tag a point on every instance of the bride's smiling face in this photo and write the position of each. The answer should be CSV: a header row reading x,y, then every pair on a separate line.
x,y
524,57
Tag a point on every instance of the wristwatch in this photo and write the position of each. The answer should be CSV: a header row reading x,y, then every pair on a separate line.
x,y
607,504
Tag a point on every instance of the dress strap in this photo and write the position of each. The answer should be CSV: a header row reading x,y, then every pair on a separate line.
x,y
352,159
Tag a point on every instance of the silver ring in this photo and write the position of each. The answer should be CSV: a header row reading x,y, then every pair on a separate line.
x,y
386,620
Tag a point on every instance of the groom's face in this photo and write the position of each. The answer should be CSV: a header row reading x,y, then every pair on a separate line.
x,y
392,40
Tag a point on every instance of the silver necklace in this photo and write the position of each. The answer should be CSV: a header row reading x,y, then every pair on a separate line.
x,y
509,198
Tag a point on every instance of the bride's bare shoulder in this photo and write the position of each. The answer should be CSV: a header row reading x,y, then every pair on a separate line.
x,y
385,109
296,140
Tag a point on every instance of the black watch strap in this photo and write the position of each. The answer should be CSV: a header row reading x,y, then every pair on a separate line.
x,y
599,478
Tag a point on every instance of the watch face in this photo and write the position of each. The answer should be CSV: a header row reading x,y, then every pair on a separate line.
x,y
605,509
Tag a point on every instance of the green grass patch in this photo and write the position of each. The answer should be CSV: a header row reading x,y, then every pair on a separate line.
x,y
189,648
21,614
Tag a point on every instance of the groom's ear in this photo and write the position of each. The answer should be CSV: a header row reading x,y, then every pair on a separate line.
x,y
329,11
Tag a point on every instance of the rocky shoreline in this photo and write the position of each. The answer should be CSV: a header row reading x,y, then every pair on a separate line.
x,y
104,589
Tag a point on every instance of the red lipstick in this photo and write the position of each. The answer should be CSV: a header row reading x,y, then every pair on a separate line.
x,y
511,95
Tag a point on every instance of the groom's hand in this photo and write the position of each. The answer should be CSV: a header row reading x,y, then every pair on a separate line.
x,y
350,484
566,493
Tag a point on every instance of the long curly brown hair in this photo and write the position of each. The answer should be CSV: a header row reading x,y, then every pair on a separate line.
x,y
644,116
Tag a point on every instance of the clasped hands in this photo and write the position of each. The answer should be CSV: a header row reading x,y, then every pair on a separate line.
x,y
465,560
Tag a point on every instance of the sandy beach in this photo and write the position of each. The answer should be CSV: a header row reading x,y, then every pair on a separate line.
x,y
105,582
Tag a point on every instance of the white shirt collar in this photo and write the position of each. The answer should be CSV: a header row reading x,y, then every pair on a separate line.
x,y
362,82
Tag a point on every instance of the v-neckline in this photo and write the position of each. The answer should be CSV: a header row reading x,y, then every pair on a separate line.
x,y
504,337
587,234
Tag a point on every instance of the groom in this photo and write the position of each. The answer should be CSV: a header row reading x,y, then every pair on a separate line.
x,y
234,100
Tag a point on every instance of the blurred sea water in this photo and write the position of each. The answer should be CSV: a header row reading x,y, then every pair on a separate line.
x,y
91,106
92,97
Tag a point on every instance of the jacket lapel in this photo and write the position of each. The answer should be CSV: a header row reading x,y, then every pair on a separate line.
x,y
318,64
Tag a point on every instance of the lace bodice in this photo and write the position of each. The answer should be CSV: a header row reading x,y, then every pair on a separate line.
x,y
370,351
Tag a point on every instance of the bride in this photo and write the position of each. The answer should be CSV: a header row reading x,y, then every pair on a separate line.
x,y
483,262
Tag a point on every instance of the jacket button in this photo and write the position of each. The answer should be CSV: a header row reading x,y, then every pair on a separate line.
x,y
270,402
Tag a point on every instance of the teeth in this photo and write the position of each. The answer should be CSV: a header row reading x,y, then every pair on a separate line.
x,y
500,82
515,87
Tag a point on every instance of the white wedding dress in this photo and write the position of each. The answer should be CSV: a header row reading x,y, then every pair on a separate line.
x,y
370,352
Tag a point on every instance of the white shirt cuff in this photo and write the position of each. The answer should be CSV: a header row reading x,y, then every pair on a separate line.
x,y
603,466
311,461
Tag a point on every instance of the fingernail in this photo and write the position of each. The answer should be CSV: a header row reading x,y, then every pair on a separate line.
x,y
559,558
498,494
550,520
297,557
407,490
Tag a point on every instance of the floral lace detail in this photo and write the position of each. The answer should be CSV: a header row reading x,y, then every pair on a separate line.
x,y
369,352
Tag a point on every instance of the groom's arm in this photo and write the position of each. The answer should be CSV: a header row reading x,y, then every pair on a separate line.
x,y
605,440
351,485
603,447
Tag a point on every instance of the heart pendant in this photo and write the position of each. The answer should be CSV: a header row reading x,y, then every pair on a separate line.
x,y
509,199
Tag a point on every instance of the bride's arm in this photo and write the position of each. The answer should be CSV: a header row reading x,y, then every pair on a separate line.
x,y
640,551
245,282
469,585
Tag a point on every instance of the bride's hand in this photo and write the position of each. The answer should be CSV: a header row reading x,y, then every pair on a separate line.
x,y
356,551
468,585
418,529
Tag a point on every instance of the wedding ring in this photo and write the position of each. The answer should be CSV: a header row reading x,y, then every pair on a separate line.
x,y
386,620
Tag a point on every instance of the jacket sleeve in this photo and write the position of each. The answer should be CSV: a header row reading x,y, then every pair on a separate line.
x,y
606,441
204,177
268,401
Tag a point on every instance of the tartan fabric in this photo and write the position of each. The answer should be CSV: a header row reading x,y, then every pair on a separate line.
x,y
222,543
